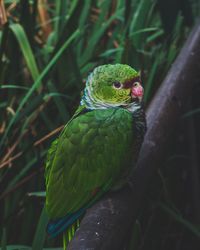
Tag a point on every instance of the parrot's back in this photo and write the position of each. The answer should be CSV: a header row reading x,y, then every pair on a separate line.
x,y
93,150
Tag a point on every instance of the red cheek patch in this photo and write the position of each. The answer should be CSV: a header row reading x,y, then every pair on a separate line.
x,y
137,91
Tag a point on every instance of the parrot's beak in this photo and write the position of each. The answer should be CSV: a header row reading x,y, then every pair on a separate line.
x,y
137,91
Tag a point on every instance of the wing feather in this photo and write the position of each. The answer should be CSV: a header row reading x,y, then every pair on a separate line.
x,y
93,150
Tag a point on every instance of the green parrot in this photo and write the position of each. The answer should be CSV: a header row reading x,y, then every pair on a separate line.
x,y
96,148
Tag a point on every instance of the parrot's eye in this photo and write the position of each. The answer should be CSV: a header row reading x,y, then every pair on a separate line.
x,y
117,85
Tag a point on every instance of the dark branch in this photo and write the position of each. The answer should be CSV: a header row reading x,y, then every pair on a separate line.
x,y
106,224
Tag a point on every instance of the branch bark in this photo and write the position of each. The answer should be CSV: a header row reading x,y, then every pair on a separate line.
x,y
106,224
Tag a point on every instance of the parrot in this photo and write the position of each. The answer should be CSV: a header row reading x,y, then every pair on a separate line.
x,y
96,149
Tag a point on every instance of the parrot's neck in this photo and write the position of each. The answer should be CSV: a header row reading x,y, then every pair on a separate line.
x,y
139,126
91,102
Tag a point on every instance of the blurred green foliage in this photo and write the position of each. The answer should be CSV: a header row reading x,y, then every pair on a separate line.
x,y
47,49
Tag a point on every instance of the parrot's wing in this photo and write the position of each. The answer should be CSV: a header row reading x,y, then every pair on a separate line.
x,y
50,156
51,152
93,151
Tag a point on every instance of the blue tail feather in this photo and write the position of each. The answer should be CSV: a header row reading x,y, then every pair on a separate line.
x,y
58,226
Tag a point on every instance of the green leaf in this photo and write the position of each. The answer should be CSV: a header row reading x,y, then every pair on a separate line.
x,y
22,247
135,236
191,113
37,83
24,44
82,24
40,233
3,240
98,30
22,173
59,103
138,19
17,247
10,86
154,36
37,194
110,52
145,30
179,218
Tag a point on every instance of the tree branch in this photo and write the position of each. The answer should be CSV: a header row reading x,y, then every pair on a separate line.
x,y
106,224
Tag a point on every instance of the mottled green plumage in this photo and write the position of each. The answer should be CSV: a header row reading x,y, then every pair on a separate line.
x,y
95,149
91,151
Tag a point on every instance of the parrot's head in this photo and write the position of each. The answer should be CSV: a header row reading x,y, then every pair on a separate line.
x,y
116,85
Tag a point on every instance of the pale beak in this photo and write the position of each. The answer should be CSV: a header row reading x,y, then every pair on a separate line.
x,y
137,91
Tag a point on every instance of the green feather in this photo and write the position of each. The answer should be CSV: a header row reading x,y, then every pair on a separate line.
x,y
87,158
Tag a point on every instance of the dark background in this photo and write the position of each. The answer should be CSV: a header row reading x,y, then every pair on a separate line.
x,y
47,49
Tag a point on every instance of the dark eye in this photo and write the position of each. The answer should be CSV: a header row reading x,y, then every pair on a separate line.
x,y
117,85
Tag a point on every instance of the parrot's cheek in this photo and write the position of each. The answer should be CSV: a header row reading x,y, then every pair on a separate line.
x,y
137,92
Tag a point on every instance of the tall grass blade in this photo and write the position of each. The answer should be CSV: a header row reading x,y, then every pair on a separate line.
x,y
38,82
24,44
178,217
40,233
3,240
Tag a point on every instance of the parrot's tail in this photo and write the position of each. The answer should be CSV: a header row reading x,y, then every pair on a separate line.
x,y
70,222
69,234
55,227
59,226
